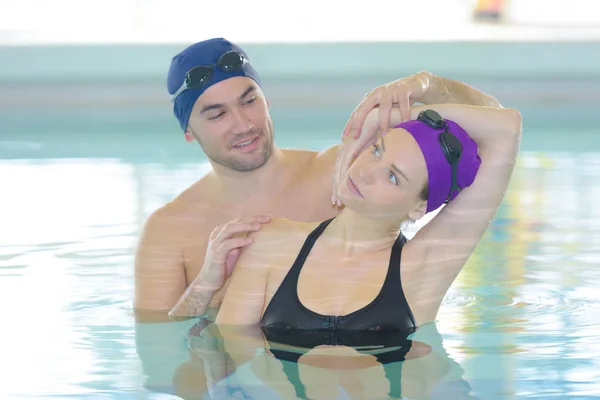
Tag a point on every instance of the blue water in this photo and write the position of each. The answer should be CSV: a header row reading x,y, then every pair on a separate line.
x,y
520,322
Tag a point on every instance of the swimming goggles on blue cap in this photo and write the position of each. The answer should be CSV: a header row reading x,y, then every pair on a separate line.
x,y
198,76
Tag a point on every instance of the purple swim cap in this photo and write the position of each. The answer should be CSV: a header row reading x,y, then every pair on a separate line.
x,y
439,169
205,53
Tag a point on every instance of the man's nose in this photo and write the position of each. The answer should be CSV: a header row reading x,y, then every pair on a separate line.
x,y
241,123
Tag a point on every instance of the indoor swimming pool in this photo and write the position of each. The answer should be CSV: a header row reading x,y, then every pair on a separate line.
x,y
520,322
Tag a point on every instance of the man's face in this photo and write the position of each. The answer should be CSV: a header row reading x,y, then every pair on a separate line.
x,y
231,121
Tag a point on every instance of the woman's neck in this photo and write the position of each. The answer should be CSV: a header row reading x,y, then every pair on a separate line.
x,y
356,233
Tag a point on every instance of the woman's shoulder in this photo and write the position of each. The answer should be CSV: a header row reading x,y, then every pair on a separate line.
x,y
285,228
281,233
275,242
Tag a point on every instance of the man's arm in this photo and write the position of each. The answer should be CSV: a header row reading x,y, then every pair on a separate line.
x,y
422,87
195,301
159,270
224,247
441,90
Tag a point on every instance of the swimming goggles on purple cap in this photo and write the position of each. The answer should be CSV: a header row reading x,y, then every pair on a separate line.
x,y
451,146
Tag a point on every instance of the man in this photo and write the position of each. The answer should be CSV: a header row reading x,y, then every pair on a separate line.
x,y
218,101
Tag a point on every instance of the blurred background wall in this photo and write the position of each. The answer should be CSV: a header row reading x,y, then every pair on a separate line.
x,y
66,63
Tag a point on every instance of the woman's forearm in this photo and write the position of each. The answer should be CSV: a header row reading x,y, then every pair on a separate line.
x,y
443,90
485,125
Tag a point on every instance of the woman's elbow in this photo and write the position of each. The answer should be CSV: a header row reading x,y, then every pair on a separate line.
x,y
513,122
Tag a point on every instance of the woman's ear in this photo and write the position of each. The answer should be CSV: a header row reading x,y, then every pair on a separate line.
x,y
419,211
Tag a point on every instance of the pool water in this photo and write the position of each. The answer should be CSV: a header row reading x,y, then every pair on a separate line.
x,y
520,322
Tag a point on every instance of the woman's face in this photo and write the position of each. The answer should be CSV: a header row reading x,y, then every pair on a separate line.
x,y
387,179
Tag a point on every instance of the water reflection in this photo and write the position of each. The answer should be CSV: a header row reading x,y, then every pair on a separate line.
x,y
230,362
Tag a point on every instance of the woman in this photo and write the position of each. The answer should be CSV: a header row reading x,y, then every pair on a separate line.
x,y
357,272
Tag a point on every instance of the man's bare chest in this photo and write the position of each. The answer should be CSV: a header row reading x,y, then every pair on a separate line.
x,y
307,207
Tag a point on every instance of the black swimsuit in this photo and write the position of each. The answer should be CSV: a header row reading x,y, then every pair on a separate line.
x,y
388,312
385,323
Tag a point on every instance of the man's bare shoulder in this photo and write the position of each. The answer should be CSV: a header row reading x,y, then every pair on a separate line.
x,y
181,210
197,194
312,155
320,163
299,155
328,154
160,228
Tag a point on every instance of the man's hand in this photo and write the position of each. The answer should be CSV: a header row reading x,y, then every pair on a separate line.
x,y
402,93
224,247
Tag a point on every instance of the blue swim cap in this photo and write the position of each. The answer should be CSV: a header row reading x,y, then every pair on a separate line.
x,y
204,53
